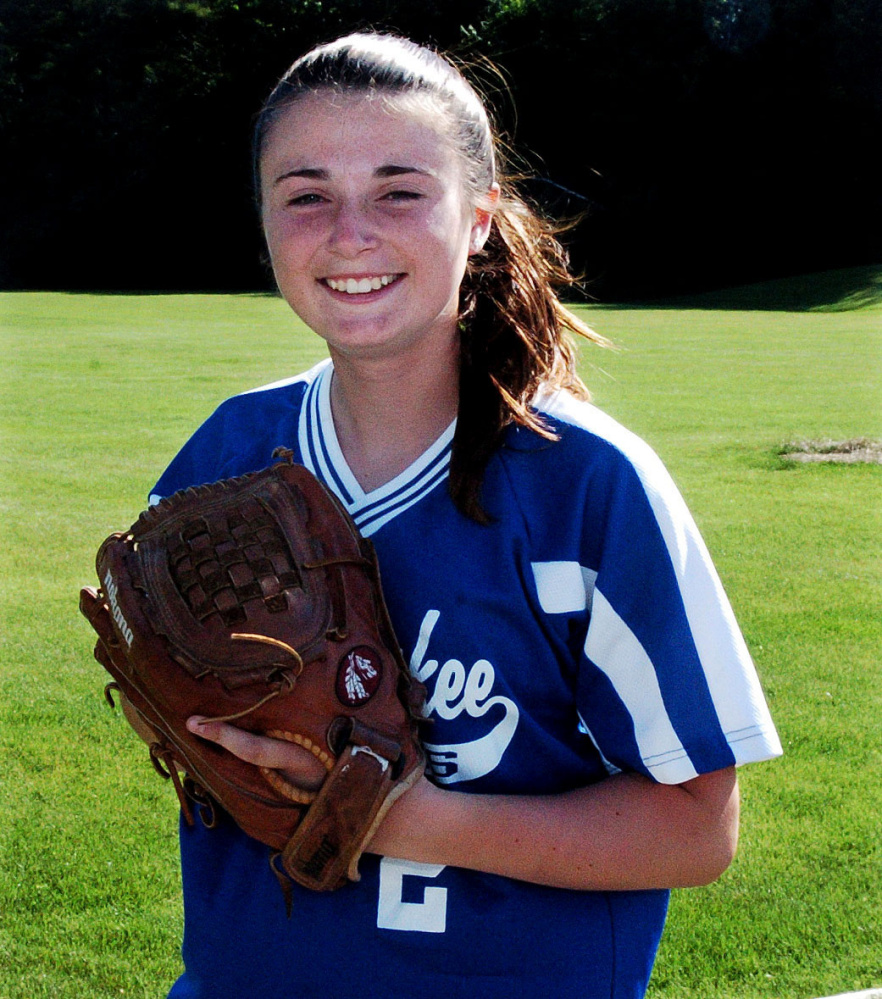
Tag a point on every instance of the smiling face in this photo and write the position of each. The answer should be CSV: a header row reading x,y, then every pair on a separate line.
x,y
367,221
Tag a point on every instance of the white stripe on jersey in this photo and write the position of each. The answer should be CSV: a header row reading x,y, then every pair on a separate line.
x,y
371,517
736,694
613,648
307,376
563,587
611,768
322,454
315,410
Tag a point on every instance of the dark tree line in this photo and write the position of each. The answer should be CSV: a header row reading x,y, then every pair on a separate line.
x,y
708,142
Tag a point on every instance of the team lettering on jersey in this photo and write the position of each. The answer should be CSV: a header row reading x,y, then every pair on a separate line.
x,y
457,690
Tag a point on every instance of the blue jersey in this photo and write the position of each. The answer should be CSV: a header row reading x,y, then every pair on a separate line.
x,y
583,633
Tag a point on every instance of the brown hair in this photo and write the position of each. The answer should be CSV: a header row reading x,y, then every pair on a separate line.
x,y
515,333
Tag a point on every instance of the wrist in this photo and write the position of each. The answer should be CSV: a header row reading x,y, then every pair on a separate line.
x,y
411,825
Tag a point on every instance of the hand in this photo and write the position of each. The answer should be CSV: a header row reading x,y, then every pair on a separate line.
x,y
297,765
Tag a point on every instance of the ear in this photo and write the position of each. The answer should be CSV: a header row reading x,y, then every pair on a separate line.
x,y
483,218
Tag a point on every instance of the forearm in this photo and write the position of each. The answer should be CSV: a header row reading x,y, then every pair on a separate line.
x,y
623,833
626,832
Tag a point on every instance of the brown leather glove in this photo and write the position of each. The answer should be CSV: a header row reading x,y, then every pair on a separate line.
x,y
255,601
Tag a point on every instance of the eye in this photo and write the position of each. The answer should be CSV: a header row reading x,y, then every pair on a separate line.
x,y
305,200
402,196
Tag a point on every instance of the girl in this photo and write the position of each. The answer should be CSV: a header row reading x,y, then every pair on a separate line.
x,y
589,693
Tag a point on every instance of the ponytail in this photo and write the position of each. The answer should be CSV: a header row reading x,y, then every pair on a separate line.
x,y
516,338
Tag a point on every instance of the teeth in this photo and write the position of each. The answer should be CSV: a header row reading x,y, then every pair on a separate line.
x,y
360,286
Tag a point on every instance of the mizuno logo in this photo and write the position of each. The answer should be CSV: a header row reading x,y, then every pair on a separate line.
x,y
110,589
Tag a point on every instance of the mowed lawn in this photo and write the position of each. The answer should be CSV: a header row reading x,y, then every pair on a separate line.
x,y
97,392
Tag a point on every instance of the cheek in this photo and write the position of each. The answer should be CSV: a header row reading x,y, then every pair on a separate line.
x,y
289,241
449,228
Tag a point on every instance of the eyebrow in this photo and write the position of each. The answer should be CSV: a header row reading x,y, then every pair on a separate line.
x,y
317,173
310,173
391,170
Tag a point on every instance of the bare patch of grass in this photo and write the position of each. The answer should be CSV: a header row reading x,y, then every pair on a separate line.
x,y
850,452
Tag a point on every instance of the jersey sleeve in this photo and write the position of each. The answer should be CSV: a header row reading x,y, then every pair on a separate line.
x,y
667,686
199,461
239,437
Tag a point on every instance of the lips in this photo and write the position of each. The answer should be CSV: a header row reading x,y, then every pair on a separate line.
x,y
360,285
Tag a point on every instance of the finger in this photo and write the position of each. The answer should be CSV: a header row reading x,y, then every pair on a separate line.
x,y
299,766
256,749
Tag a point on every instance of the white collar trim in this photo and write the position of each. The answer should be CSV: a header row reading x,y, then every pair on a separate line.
x,y
321,452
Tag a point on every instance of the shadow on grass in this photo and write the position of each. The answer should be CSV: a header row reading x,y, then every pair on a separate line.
x,y
841,290
159,292
829,291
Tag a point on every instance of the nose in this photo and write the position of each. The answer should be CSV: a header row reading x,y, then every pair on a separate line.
x,y
352,230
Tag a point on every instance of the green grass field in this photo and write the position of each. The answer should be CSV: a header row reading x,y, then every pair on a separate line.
x,y
98,392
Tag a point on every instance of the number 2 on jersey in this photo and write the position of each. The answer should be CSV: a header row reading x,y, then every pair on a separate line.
x,y
393,913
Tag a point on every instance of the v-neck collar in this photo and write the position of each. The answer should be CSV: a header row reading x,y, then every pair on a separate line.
x,y
321,454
